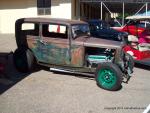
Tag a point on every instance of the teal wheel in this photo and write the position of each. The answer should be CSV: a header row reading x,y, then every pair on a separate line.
x,y
108,76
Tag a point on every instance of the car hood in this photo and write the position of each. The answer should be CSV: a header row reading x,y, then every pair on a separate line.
x,y
111,32
97,42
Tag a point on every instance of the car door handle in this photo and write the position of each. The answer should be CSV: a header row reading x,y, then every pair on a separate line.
x,y
43,42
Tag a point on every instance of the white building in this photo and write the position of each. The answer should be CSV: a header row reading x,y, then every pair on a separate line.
x,y
11,10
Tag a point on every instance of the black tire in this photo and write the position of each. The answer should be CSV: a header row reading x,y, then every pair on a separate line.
x,y
109,76
130,61
23,60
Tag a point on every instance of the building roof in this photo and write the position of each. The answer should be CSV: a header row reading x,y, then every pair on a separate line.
x,y
130,6
140,16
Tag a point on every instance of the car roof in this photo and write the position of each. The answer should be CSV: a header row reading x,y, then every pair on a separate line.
x,y
53,20
134,17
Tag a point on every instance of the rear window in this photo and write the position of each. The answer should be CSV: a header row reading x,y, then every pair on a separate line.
x,y
28,26
30,29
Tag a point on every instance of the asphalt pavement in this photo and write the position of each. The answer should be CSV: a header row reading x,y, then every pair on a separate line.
x,y
44,91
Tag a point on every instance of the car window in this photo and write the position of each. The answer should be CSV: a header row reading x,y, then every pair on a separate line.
x,y
143,25
27,26
92,27
30,29
54,31
105,25
98,25
80,30
132,23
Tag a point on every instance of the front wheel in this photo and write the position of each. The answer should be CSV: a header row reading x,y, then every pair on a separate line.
x,y
108,76
130,61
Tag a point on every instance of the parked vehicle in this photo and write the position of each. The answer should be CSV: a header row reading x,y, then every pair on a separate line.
x,y
138,29
135,27
67,44
101,29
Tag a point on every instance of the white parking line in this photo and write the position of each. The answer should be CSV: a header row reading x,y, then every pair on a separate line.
x,y
147,110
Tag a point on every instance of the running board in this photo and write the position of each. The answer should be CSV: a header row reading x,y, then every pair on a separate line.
x,y
72,72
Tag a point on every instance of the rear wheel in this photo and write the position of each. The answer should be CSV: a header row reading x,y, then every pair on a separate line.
x,y
23,60
108,76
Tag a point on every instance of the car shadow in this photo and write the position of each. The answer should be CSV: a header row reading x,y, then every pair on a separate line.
x,y
9,76
79,75
89,77
142,66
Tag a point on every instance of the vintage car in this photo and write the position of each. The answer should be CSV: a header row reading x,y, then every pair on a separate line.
x,y
67,44
101,29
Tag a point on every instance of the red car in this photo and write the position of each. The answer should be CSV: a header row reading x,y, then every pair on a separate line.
x,y
136,28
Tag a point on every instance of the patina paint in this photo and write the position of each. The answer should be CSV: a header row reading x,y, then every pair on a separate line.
x,y
56,51
77,55
35,46
49,51
57,54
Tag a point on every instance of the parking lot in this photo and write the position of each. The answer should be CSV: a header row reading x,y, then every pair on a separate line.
x,y
44,91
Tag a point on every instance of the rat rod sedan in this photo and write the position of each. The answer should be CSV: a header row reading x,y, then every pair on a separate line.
x,y
67,44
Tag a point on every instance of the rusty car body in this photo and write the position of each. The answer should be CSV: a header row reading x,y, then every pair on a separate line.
x,y
67,44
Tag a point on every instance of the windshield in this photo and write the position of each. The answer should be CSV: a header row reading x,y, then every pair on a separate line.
x,y
80,30
99,25
105,25
142,24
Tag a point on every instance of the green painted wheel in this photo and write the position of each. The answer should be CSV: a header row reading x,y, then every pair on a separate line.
x,y
109,76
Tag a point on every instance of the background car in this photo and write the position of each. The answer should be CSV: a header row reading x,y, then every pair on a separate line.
x,y
135,27
101,29
138,28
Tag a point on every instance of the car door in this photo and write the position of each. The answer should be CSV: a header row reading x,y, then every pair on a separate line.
x,y
54,44
77,46
33,40
77,53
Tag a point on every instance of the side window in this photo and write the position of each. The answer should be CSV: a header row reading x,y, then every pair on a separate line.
x,y
92,27
54,31
30,29
132,23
